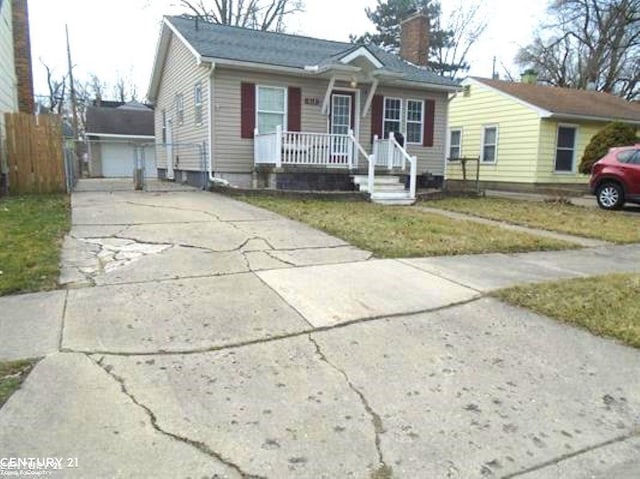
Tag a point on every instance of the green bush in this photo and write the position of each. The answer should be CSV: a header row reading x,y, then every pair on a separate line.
x,y
614,134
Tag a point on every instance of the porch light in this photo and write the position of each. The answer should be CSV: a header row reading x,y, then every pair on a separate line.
x,y
354,83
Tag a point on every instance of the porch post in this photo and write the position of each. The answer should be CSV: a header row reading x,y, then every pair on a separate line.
x,y
375,149
350,149
278,143
390,149
256,147
412,180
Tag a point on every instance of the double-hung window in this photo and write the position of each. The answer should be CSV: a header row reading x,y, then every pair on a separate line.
x,y
455,143
271,108
489,144
197,100
392,116
180,108
415,121
565,149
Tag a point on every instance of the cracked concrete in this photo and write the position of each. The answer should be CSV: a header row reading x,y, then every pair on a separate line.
x,y
203,337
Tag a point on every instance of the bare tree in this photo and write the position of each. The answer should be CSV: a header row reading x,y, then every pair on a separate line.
x,y
256,14
465,25
589,44
57,90
124,90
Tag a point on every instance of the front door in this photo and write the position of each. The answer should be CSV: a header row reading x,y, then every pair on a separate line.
x,y
340,122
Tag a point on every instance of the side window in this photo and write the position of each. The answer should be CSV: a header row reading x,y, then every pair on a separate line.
x,y
489,144
164,127
629,156
455,143
197,100
635,159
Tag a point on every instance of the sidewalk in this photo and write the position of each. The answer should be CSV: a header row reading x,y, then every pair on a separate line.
x,y
203,336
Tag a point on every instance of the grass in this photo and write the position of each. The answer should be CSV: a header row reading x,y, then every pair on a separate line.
x,y
605,305
398,232
31,230
613,226
12,374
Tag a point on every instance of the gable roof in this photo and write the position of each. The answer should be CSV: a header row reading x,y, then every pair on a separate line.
x,y
119,121
219,43
568,103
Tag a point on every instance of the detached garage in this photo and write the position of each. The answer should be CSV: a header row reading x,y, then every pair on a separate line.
x,y
118,138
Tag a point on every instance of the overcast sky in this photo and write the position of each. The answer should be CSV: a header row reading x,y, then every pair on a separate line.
x,y
117,38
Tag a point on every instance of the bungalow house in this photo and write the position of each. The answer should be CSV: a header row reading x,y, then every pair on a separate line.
x,y
16,77
120,139
527,135
292,112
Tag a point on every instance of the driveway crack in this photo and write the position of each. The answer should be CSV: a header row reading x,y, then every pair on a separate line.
x,y
383,469
202,447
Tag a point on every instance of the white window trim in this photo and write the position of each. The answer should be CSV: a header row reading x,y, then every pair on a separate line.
x,y
180,108
451,130
384,111
482,145
422,120
197,104
285,117
555,151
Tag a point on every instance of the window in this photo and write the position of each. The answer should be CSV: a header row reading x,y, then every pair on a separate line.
x,y
180,108
391,116
629,156
415,121
197,100
489,144
455,143
271,108
164,127
565,149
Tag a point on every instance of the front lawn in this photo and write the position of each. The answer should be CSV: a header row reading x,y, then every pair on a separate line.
x,y
31,231
12,374
605,305
614,226
398,232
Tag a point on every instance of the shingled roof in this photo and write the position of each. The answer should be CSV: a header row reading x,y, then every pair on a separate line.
x,y
569,102
119,121
213,41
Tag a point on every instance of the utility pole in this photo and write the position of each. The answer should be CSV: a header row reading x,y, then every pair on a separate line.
x,y
74,106
494,73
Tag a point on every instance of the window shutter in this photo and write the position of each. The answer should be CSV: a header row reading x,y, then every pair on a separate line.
x,y
294,109
377,106
429,122
247,109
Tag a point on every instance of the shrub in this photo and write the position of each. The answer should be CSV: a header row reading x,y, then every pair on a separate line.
x,y
614,134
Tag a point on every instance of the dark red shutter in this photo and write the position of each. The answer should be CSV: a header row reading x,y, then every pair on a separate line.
x,y
377,106
247,109
294,110
429,122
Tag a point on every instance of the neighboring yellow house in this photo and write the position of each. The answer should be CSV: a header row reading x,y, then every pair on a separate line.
x,y
526,135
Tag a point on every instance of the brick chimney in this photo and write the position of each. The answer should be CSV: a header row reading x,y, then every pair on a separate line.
x,y
414,39
22,55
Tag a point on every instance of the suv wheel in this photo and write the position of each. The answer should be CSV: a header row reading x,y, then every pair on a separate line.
x,y
610,196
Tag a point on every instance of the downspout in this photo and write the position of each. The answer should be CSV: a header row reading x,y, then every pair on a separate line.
x,y
210,85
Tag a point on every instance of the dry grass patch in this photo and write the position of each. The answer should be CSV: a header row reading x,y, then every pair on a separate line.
x,y
614,226
399,232
605,305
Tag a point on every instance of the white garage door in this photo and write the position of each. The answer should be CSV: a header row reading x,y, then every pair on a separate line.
x,y
118,161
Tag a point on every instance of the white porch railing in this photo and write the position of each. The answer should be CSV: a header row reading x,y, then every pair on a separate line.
x,y
389,153
305,149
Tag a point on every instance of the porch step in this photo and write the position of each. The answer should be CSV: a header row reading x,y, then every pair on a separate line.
x,y
384,187
392,198
379,180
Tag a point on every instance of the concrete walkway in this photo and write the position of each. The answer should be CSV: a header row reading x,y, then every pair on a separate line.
x,y
203,337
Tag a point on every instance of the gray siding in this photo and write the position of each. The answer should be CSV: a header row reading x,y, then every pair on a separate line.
x,y
179,76
233,154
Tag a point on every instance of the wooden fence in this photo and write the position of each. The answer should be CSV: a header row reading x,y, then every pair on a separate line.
x,y
35,154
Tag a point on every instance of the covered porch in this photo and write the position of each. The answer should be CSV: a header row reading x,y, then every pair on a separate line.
x,y
331,151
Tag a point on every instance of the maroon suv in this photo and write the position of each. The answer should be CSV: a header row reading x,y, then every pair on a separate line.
x,y
615,178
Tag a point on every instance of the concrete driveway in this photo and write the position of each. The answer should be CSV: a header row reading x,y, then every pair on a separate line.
x,y
203,337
